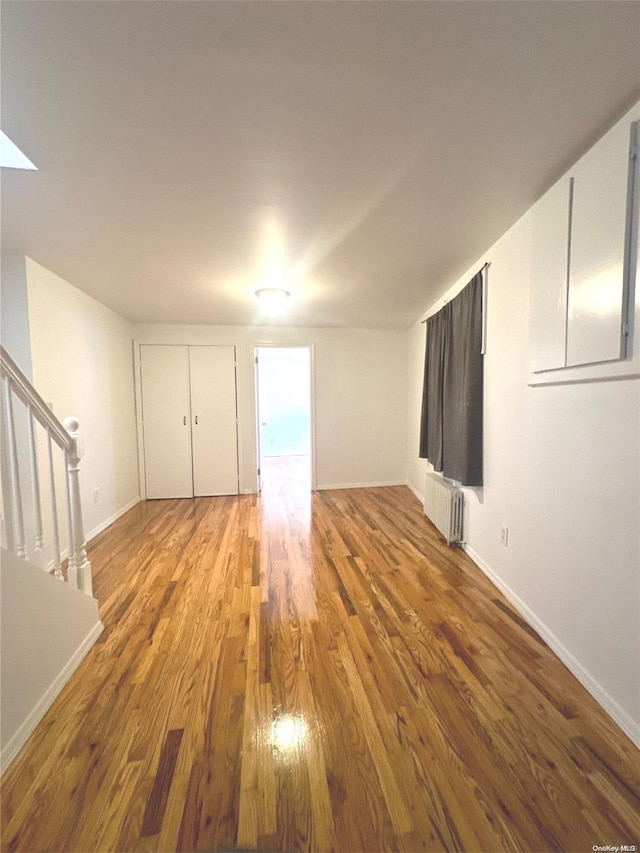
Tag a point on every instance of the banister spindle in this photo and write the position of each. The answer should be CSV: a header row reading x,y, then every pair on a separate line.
x,y
57,559
72,574
35,484
14,472
5,473
82,566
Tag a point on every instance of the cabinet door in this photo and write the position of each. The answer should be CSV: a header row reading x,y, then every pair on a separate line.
x,y
166,428
213,420
548,297
596,272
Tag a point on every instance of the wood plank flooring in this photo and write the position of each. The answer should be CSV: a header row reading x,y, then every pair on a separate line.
x,y
313,672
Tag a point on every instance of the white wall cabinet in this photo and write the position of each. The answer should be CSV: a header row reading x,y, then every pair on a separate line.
x,y
189,425
596,308
584,241
548,309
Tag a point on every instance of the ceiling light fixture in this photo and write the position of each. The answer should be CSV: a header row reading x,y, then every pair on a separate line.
x,y
272,297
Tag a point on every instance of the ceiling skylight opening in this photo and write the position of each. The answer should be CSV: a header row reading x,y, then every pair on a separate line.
x,y
11,157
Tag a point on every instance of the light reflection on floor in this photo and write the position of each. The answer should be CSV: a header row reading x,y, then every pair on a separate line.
x,y
287,477
287,566
286,559
289,732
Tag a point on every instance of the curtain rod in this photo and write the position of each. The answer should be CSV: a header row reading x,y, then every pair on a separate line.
x,y
482,268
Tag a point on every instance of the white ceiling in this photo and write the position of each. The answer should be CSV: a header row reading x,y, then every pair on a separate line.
x,y
362,154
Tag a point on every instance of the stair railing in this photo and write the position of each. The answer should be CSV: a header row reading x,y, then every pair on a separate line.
x,y
17,388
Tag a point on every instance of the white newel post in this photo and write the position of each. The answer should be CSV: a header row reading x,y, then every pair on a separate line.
x,y
78,562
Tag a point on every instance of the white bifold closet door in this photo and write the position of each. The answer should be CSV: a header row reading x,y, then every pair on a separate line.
x,y
213,420
189,420
167,421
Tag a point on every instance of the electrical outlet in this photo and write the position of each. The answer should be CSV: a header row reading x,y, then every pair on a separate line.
x,y
96,495
504,535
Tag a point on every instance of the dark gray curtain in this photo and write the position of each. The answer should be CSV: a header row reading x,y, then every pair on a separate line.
x,y
451,427
432,391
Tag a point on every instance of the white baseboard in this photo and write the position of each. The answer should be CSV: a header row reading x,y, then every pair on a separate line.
x,y
628,725
109,521
360,485
18,740
416,493
96,530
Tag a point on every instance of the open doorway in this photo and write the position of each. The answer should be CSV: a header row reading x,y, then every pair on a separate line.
x,y
283,397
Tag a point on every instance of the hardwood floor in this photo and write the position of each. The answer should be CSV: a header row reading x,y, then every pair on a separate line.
x,y
313,672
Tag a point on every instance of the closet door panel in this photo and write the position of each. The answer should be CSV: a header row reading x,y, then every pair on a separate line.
x,y
213,420
597,265
548,294
166,427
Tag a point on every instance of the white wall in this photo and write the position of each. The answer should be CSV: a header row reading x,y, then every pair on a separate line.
x,y
360,396
14,336
79,356
39,651
562,470
14,311
82,364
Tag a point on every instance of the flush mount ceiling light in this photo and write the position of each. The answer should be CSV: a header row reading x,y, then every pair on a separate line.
x,y
272,297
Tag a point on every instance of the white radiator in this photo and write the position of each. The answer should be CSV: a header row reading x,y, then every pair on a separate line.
x,y
443,505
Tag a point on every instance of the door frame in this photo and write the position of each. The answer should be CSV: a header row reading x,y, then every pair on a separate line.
x,y
312,404
137,388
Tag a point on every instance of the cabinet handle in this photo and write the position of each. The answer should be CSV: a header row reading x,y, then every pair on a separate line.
x,y
184,420
196,420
